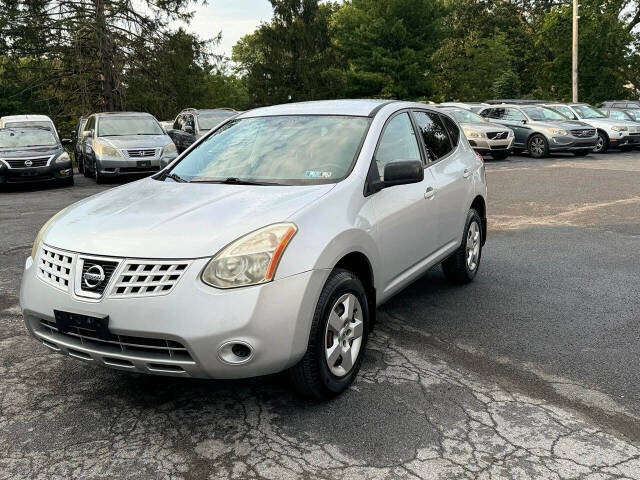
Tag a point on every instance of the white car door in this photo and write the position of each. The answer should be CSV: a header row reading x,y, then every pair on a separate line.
x,y
406,222
452,172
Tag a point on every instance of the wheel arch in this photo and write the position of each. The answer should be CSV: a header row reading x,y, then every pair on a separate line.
x,y
359,264
480,206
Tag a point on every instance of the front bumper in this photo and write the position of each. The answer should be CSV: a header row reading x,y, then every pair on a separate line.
x,y
273,319
485,145
110,167
624,141
52,172
561,143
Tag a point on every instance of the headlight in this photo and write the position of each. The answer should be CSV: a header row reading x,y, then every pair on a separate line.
x,y
106,150
557,131
169,149
64,158
38,239
472,134
251,259
619,128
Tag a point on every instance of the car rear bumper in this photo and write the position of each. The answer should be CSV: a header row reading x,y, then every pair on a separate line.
x,y
184,332
53,172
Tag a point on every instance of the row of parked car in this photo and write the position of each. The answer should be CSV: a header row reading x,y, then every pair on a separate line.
x,y
104,145
114,144
542,128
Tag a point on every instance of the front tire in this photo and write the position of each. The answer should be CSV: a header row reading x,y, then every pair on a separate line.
x,y
538,146
96,173
461,267
337,340
602,144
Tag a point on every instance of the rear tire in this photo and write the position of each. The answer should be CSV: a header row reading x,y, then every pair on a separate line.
x,y
461,267
80,163
538,146
337,339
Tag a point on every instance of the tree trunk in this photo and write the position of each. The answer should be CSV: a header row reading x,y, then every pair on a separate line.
x,y
105,54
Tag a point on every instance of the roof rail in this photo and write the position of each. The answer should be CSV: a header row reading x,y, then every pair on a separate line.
x,y
516,101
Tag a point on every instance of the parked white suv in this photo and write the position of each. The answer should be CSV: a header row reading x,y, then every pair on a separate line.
x,y
266,247
612,133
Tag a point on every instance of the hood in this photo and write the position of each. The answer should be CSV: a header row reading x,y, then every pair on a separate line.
x,y
137,141
155,219
485,127
29,152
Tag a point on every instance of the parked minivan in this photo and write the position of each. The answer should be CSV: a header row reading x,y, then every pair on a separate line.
x,y
123,143
266,247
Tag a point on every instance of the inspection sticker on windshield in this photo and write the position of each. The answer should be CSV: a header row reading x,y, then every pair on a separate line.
x,y
317,174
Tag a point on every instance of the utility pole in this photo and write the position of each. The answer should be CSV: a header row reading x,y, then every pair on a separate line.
x,y
574,59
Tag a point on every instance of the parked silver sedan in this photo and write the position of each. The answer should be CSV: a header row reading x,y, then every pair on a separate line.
x,y
485,137
124,143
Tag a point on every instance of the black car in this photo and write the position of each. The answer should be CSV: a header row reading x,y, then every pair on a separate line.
x,y
76,141
33,154
191,124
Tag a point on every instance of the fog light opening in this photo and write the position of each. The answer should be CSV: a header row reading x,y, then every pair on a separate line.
x,y
235,352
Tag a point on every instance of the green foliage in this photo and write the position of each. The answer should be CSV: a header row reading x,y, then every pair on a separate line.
x,y
384,47
507,85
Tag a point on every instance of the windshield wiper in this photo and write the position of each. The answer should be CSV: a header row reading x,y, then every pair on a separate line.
x,y
175,177
236,181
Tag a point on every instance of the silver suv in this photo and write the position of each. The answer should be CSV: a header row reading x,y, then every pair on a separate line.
x,y
612,133
483,136
124,143
542,131
267,246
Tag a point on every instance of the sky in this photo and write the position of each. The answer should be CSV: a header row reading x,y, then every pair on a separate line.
x,y
234,18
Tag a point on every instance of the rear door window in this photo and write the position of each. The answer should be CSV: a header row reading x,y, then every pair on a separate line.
x,y
434,135
452,128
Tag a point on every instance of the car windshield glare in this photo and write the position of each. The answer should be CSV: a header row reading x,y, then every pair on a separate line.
x,y
466,116
291,149
540,114
207,121
587,111
12,138
119,126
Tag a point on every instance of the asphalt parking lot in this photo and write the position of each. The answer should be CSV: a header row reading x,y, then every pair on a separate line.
x,y
532,371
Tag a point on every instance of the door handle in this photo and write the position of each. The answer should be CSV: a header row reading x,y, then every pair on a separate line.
x,y
429,193
466,173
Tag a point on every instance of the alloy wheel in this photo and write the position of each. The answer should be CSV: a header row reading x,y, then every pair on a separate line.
x,y
599,144
343,335
537,146
473,246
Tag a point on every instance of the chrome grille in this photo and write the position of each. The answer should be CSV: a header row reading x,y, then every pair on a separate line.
x,y
107,267
497,135
584,132
54,267
27,162
141,152
159,348
141,278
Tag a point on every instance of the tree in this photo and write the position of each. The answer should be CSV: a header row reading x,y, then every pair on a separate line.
x,y
385,46
286,59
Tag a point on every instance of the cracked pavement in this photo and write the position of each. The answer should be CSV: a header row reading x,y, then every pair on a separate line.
x,y
529,372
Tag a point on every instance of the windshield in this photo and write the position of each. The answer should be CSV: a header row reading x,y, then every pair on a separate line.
x,y
294,150
587,111
29,123
118,126
541,114
207,121
466,116
14,138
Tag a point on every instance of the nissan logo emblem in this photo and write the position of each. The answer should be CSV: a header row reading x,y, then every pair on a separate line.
x,y
94,276
28,163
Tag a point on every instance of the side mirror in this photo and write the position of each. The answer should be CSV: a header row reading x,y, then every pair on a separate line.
x,y
523,121
189,129
87,133
66,141
402,173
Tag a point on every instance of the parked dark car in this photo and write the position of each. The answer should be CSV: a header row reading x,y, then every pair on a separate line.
x,y
191,124
76,141
620,104
33,154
